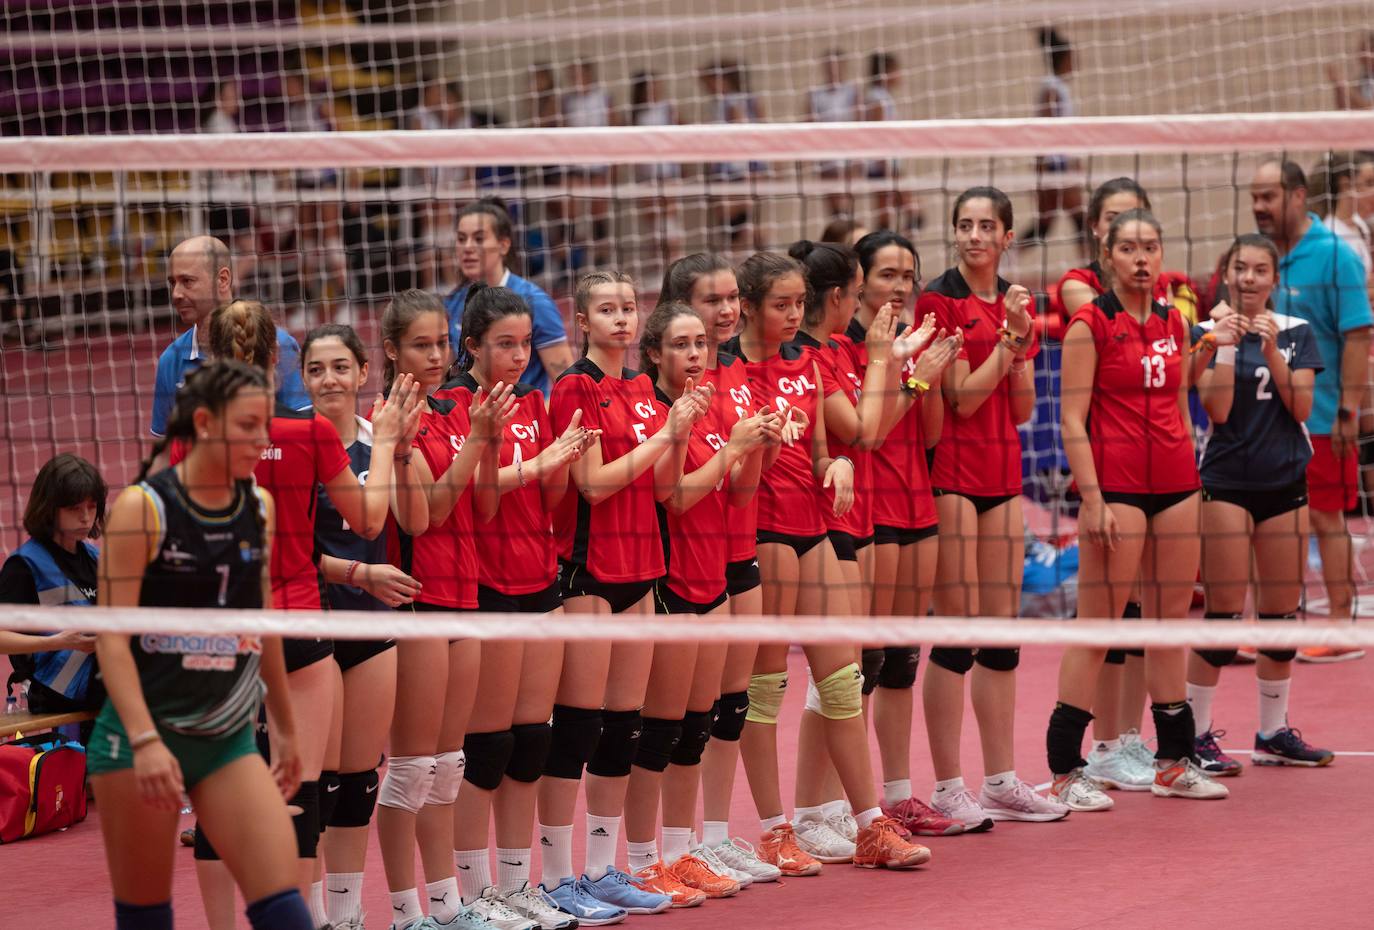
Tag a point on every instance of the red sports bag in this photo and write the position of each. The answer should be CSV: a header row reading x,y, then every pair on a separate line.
x,y
42,789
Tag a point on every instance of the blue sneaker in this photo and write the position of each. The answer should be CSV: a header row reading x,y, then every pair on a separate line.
x,y
1287,747
574,896
1210,757
620,890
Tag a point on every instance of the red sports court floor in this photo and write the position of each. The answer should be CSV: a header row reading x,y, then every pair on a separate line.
x,y
1290,848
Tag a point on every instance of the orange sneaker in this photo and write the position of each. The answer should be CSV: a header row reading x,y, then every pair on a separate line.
x,y
660,879
1325,655
694,873
885,844
779,847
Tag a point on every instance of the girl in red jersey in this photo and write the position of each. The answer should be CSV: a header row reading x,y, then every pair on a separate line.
x,y
306,454
508,733
792,546
610,555
1124,367
976,476
706,282
720,473
904,518
458,450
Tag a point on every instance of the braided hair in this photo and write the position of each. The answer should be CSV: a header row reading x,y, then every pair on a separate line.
x,y
245,331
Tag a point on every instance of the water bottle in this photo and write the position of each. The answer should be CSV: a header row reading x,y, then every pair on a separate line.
x,y
11,705
23,698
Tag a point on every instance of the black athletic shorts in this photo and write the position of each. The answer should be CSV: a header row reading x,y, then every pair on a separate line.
x,y
1262,504
301,653
536,602
742,576
981,503
901,535
1151,504
667,601
350,653
801,545
575,580
847,546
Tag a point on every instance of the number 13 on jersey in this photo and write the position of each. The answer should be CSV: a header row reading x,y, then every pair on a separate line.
x,y
1154,370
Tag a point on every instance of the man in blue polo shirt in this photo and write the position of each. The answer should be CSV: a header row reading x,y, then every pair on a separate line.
x,y
1322,281
200,280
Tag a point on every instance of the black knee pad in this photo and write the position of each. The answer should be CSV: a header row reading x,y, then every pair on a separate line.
x,y
1218,658
872,665
357,799
1279,655
657,743
1137,653
204,852
899,667
530,751
729,722
329,798
1116,657
696,730
999,660
955,659
307,822
619,742
487,756
1132,611
576,731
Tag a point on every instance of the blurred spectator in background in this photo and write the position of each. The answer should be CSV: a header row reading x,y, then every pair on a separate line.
x,y
844,230
658,216
442,106
549,245
834,101
1359,93
1333,189
898,210
1055,193
230,214
729,101
588,106
319,225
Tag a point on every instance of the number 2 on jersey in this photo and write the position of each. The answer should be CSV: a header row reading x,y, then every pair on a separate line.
x,y
1154,370
1262,391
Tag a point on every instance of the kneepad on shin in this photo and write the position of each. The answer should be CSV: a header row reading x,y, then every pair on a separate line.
x,y
448,776
572,742
1218,658
619,743
1279,655
766,692
407,783
658,740
842,693
899,667
357,799
956,659
871,661
529,751
487,755
731,710
696,732
307,822
998,660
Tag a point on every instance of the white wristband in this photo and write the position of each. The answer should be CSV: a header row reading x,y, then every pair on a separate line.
x,y
1226,355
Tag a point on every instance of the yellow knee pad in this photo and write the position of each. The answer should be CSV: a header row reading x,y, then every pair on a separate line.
x,y
765,697
842,693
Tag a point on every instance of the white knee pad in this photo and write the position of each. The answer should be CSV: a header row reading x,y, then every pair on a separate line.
x,y
407,782
813,697
448,775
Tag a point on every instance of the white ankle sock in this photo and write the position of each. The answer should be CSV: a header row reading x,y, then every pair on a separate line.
x,y
808,813
769,823
512,869
677,842
1107,745
833,808
715,832
949,786
1273,706
896,791
444,899
641,855
864,818
405,908
555,848
1200,700
602,834
344,896
474,872
1001,782
318,916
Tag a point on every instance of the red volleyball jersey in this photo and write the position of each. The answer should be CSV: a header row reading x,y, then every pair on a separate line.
x,y
733,401
618,538
790,498
843,368
692,541
1140,442
981,454
444,557
305,452
900,479
515,549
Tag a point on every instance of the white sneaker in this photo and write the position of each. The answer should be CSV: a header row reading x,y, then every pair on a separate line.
x,y
1018,801
1138,747
1184,779
493,908
739,855
844,823
534,904
1120,769
1078,792
961,806
718,866
821,841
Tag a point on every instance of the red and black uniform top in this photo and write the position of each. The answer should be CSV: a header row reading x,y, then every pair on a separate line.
x,y
444,557
692,540
733,401
789,495
1140,441
842,367
900,479
516,547
616,539
978,455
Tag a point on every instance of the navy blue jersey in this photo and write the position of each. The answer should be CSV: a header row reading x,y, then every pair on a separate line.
x,y
334,537
1260,446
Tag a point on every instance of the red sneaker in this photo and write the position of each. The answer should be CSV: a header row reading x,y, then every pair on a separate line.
x,y
882,845
921,820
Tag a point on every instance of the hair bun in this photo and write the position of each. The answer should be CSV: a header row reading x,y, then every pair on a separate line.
x,y
801,249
